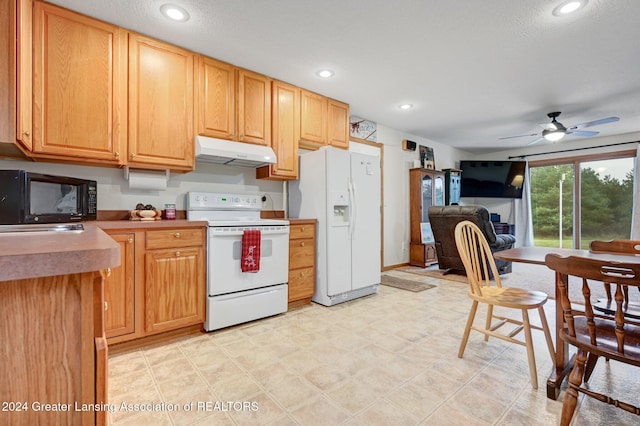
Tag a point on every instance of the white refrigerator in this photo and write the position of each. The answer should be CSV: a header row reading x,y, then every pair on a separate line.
x,y
341,189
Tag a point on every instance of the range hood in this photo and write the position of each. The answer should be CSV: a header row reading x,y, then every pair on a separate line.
x,y
220,151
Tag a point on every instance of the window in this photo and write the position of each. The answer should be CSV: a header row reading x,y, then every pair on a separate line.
x,y
580,199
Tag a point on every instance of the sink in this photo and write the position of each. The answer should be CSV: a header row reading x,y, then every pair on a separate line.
x,y
42,228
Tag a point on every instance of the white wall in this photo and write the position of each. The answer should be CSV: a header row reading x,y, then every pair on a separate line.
x,y
397,163
114,192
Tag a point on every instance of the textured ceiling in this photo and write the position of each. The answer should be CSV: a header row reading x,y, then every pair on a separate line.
x,y
475,70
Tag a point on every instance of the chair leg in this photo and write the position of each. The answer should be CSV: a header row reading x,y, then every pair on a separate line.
x,y
467,329
571,395
529,343
547,334
591,364
487,324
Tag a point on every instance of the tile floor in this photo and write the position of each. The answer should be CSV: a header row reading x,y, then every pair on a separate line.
x,y
387,359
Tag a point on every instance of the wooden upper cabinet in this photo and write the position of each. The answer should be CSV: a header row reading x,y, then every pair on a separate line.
x,y
15,76
215,98
79,95
253,104
285,132
338,129
160,104
313,119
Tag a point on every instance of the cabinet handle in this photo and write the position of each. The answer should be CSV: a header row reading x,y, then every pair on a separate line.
x,y
302,244
130,240
177,254
26,133
301,274
106,305
177,235
133,154
116,154
302,229
107,272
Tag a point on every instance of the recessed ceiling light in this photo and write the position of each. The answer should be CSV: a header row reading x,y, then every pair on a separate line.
x,y
405,106
325,73
568,7
175,13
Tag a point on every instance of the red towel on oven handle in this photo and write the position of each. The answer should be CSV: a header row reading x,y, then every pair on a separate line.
x,y
250,258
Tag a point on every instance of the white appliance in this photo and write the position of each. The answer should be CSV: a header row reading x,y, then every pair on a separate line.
x,y
220,151
233,296
342,190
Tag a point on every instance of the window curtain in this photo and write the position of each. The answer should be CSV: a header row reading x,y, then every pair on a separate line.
x,y
523,216
635,216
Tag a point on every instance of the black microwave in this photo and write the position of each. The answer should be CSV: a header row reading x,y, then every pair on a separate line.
x,y
27,197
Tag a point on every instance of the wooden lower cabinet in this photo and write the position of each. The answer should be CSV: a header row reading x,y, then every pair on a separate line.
x,y
119,289
302,262
174,288
160,285
53,350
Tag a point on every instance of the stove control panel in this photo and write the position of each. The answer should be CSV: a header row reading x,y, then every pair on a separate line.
x,y
222,201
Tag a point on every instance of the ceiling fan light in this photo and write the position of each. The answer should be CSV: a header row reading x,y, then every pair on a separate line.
x,y
553,135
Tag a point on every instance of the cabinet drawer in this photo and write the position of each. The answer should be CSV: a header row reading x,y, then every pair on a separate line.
x,y
301,283
175,238
301,231
301,253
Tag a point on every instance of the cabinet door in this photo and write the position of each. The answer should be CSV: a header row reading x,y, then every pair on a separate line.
x,y
253,108
215,98
119,290
313,118
15,75
285,128
338,130
438,190
174,288
427,196
79,91
160,104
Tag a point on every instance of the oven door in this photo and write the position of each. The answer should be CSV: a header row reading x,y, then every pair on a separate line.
x,y
224,274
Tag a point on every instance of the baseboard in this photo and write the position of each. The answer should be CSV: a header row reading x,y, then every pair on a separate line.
x,y
399,265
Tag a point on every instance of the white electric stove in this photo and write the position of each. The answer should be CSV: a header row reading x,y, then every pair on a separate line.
x,y
233,296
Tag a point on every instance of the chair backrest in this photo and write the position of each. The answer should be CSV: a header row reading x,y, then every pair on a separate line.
x,y
614,336
616,246
476,257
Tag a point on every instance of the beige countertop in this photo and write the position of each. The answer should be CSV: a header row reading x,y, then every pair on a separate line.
x,y
42,254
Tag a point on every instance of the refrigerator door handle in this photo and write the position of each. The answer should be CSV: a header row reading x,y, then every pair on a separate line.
x,y
353,214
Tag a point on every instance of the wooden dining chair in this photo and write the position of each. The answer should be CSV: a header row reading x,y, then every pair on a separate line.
x,y
616,337
630,247
480,267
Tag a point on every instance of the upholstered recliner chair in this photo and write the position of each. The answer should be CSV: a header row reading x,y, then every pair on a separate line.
x,y
443,221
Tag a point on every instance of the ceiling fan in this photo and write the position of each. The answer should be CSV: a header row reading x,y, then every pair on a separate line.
x,y
554,131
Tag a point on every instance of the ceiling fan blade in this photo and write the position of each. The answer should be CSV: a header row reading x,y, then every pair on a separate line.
x,y
519,136
584,133
547,126
535,141
595,123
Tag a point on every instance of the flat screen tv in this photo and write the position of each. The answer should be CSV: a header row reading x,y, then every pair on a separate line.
x,y
492,179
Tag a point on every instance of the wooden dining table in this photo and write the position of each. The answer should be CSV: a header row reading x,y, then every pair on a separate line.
x,y
536,256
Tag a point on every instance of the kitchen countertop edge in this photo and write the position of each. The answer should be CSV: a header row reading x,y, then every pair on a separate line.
x,y
149,224
24,256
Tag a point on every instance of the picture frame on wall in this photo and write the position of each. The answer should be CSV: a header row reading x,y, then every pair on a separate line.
x,y
427,159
